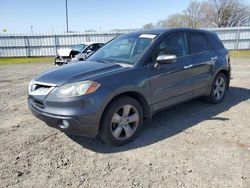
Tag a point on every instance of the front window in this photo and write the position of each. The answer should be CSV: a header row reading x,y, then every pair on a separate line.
x,y
78,47
127,49
174,44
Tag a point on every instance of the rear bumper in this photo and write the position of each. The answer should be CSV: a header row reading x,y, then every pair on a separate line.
x,y
75,126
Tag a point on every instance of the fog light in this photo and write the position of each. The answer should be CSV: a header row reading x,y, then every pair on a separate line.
x,y
64,124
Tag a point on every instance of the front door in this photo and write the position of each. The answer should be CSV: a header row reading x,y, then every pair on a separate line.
x,y
171,83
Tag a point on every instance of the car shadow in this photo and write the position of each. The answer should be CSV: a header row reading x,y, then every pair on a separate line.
x,y
172,121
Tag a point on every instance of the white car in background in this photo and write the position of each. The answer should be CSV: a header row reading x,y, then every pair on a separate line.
x,y
77,52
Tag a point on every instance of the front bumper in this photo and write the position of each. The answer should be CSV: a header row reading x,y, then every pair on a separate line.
x,y
75,125
61,60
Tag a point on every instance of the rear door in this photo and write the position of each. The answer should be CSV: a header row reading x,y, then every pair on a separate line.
x,y
171,83
203,59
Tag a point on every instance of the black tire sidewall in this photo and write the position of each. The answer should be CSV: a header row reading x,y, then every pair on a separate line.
x,y
105,129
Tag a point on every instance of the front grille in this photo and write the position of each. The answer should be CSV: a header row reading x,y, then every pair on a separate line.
x,y
37,88
41,88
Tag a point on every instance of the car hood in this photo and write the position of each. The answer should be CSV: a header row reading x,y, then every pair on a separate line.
x,y
75,72
64,52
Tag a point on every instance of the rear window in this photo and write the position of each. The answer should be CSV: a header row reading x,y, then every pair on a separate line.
x,y
198,43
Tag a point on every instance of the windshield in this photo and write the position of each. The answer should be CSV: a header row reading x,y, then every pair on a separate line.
x,y
78,47
126,49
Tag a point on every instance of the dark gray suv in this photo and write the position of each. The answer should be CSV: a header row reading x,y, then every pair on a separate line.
x,y
128,80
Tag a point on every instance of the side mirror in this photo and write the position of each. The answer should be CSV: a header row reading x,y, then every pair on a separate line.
x,y
166,59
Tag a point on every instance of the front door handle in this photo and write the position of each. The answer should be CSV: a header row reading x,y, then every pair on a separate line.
x,y
188,66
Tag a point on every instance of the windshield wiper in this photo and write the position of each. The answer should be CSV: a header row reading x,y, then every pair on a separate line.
x,y
102,61
114,62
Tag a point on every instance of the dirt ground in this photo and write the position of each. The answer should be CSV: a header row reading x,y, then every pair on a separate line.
x,y
191,145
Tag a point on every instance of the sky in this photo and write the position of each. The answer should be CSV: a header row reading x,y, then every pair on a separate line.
x,y
46,16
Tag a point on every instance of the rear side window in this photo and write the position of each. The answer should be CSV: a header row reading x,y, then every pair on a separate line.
x,y
215,41
198,43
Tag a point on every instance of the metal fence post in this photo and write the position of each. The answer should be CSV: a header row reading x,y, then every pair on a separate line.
x,y
238,39
56,44
27,46
87,38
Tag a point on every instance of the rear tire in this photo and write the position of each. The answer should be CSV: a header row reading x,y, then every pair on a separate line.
x,y
218,89
121,121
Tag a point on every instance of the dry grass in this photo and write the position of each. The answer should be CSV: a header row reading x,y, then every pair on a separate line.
x,y
18,60
240,53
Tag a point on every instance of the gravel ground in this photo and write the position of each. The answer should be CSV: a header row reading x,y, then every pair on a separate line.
x,y
191,145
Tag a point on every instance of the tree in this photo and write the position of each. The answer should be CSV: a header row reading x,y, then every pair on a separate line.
x,y
90,31
174,20
210,13
148,26
195,14
191,17
227,13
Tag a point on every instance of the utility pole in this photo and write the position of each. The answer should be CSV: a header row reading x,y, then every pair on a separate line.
x,y
67,24
31,29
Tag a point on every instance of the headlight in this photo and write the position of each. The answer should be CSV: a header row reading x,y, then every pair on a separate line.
x,y
30,85
76,89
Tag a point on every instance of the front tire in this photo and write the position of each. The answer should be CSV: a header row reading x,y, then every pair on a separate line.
x,y
121,121
218,89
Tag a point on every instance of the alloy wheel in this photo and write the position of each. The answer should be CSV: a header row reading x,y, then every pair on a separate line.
x,y
124,122
219,88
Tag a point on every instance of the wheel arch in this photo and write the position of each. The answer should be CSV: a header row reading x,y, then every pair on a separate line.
x,y
226,73
135,95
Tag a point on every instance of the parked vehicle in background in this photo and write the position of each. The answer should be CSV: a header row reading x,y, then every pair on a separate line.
x,y
78,52
128,80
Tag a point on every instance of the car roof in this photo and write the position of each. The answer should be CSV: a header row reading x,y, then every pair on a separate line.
x,y
89,43
162,31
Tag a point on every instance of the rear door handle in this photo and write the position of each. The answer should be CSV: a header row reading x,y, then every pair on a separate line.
x,y
188,66
214,58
